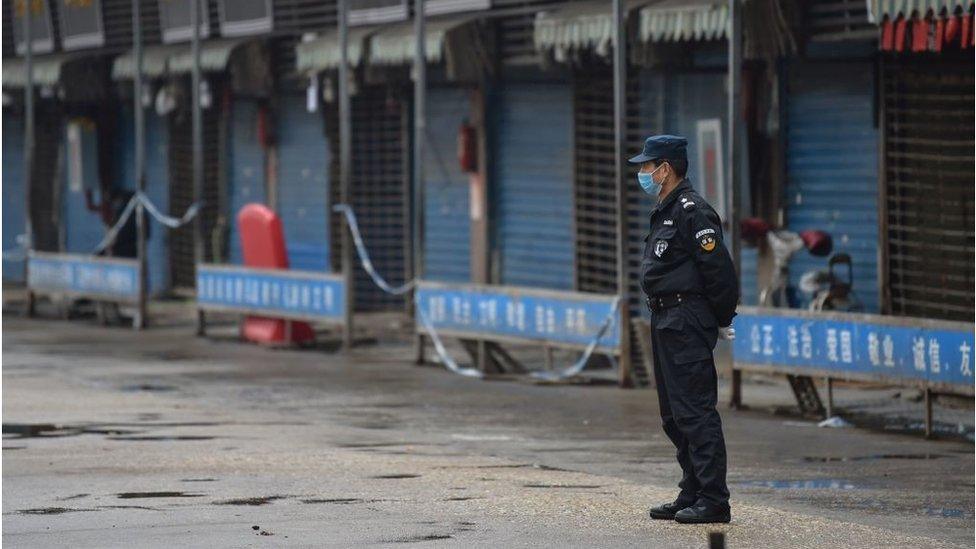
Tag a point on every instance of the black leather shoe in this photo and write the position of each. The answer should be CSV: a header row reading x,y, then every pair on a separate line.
x,y
667,511
703,513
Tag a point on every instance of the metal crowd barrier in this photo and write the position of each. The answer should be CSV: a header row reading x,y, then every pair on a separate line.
x,y
82,276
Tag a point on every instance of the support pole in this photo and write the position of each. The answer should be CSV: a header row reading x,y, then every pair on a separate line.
x,y
929,427
735,120
419,133
619,131
829,384
345,170
198,237
28,149
139,322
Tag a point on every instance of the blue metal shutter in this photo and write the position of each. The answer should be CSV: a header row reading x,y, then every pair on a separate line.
x,y
832,167
303,184
246,165
157,186
83,229
14,200
447,222
534,185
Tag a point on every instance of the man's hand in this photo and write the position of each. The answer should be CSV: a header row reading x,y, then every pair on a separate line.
x,y
727,333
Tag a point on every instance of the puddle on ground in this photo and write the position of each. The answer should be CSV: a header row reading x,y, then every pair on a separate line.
x,y
561,486
148,387
50,511
831,459
813,484
354,445
396,475
462,498
163,438
260,500
141,507
944,512
198,480
140,495
340,501
76,496
14,447
420,538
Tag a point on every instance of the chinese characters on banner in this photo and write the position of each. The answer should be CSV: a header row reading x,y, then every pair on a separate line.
x,y
91,276
867,344
561,317
285,293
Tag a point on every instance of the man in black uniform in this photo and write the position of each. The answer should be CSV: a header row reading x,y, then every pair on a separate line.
x,y
692,291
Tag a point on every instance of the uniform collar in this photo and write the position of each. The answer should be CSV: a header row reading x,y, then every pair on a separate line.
x,y
683,185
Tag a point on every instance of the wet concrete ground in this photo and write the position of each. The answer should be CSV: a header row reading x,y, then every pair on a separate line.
x,y
117,439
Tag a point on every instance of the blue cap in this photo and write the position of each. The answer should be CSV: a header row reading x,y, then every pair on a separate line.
x,y
667,147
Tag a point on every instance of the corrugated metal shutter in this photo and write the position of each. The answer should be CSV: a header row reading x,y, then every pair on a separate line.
x,y
82,228
534,185
928,117
832,167
246,170
117,20
828,20
303,184
447,220
13,194
651,122
182,267
46,183
157,186
380,176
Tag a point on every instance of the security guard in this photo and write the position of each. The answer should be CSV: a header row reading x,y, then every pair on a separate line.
x,y
692,291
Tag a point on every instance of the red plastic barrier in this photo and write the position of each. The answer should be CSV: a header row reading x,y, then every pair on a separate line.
x,y
263,244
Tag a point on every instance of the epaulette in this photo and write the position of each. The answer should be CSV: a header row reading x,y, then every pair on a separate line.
x,y
687,202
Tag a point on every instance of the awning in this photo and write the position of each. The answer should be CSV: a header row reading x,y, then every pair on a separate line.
x,y
155,61
323,53
684,20
214,55
577,26
46,68
394,45
879,9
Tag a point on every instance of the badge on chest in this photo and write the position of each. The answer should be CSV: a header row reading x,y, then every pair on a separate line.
x,y
660,247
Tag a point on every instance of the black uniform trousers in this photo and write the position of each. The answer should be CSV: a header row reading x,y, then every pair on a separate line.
x,y
687,389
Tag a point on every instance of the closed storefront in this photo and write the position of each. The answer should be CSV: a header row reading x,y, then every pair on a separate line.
x,y
14,200
246,180
82,228
832,167
928,185
533,185
447,221
303,183
157,186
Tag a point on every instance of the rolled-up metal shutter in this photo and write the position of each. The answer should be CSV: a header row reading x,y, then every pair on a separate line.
x,y
929,174
534,185
447,221
246,170
303,184
14,200
832,167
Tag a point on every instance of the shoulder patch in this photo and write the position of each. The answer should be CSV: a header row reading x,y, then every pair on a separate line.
x,y
687,204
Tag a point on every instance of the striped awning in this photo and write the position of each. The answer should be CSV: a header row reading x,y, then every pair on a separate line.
x,y
577,26
394,45
214,55
879,9
322,53
684,20
46,68
155,61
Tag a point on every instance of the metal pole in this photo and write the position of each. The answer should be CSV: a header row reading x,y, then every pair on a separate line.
x,y
345,169
419,134
735,120
28,149
139,321
197,147
619,130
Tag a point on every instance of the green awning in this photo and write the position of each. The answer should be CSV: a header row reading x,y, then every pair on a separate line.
x,y
322,53
46,68
394,45
684,20
214,55
155,61
878,9
577,26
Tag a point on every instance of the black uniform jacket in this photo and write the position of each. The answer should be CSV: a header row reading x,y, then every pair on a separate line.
x,y
684,253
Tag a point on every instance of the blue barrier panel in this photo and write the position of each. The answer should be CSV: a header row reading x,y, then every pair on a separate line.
x,y
96,277
502,313
857,346
300,295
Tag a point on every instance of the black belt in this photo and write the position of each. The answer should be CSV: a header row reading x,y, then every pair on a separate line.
x,y
666,301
